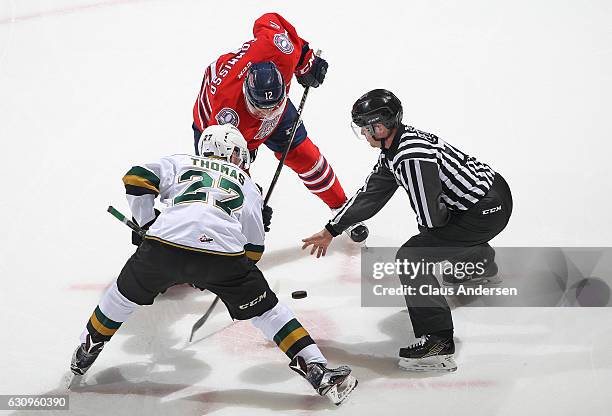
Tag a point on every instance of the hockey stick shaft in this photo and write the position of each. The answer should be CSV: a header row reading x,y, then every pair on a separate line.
x,y
126,221
290,142
281,162
204,318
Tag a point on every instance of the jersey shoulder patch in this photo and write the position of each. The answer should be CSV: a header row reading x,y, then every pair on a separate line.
x,y
228,116
282,42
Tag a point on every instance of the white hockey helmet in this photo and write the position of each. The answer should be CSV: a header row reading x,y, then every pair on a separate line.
x,y
223,141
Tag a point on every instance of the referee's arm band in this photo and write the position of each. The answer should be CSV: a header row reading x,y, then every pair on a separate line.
x,y
329,227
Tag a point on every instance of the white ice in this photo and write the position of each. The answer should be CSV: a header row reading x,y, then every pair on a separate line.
x,y
88,88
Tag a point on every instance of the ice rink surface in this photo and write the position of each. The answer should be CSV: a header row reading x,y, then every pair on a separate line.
x,y
89,88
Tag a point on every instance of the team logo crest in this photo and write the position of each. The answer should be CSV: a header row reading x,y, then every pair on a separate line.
x,y
205,239
266,127
283,43
227,116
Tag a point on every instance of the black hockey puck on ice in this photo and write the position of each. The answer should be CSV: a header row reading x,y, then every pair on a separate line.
x,y
299,294
359,233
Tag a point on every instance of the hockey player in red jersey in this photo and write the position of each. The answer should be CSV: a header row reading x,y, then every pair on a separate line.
x,y
249,88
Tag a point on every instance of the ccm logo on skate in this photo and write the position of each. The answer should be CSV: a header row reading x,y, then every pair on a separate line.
x,y
254,301
491,210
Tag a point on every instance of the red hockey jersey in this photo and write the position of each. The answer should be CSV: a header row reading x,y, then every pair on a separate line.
x,y
221,99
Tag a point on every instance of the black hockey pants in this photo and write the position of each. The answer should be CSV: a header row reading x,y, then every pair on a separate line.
x,y
156,266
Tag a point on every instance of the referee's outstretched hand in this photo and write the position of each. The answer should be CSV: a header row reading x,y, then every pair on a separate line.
x,y
319,242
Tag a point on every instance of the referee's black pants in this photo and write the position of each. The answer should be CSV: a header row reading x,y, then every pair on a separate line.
x,y
464,239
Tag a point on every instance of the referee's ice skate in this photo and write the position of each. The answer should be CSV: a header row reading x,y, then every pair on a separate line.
x,y
429,353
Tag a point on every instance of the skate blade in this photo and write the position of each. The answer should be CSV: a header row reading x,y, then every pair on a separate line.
x,y
481,281
439,363
71,380
340,392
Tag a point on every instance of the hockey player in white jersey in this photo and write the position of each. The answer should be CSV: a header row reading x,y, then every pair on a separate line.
x,y
210,236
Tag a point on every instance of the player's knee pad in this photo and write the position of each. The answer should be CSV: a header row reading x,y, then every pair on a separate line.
x,y
303,157
272,320
316,173
115,305
114,309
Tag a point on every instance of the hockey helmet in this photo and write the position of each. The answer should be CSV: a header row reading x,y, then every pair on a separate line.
x,y
224,141
264,91
378,106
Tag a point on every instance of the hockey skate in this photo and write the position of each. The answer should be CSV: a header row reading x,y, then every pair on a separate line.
x,y
85,355
489,276
334,383
429,353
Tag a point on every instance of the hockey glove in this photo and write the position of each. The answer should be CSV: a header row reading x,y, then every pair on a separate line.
x,y
137,239
315,75
253,155
266,214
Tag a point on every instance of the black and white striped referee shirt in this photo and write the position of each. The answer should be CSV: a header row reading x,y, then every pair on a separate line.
x,y
438,178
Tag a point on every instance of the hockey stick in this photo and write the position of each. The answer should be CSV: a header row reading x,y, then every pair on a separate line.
x,y
126,221
204,318
290,142
281,163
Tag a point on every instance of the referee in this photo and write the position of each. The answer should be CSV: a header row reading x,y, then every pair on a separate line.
x,y
460,205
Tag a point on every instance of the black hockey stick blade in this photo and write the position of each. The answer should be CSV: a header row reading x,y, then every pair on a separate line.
x,y
203,319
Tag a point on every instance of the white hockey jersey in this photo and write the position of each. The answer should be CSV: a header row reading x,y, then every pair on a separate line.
x,y
213,206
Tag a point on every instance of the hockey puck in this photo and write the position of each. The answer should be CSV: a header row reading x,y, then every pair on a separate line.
x,y
299,294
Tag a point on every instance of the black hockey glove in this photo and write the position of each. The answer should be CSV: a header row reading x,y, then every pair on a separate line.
x,y
253,155
315,76
266,214
137,239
